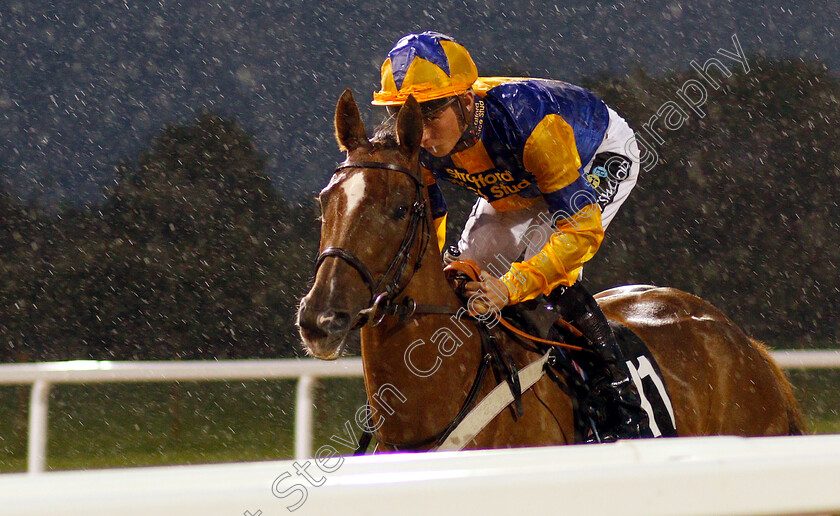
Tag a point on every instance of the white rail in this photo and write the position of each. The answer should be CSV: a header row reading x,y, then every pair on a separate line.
x,y
42,375
673,477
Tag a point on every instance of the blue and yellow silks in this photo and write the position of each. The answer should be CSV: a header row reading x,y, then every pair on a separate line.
x,y
534,136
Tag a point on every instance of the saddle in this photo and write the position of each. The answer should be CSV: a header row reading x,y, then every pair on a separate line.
x,y
537,322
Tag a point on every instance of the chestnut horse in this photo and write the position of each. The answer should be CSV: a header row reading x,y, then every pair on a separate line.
x,y
380,269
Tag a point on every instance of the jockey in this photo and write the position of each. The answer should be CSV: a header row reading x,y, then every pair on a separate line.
x,y
550,164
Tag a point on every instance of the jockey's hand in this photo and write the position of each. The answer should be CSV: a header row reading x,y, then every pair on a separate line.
x,y
490,294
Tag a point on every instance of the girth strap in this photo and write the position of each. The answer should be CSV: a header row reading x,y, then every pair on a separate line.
x,y
505,368
490,407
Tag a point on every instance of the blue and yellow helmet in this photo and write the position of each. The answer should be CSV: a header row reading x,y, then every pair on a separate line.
x,y
429,66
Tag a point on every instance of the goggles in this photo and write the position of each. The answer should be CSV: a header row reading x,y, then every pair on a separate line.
x,y
429,108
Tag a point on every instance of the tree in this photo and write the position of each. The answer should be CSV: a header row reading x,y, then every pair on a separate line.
x,y
198,237
739,207
189,258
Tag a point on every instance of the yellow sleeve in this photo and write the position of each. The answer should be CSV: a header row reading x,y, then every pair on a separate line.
x,y
551,155
572,243
440,231
437,205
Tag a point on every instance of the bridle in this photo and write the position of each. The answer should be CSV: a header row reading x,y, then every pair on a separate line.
x,y
384,291
391,284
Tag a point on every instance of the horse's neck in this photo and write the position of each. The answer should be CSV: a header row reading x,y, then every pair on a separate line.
x,y
421,360
428,288
428,285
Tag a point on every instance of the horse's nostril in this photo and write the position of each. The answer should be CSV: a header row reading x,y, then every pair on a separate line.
x,y
332,322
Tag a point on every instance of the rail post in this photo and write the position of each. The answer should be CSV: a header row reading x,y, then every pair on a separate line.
x,y
303,417
38,410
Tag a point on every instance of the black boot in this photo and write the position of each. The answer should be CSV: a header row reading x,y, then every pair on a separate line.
x,y
616,404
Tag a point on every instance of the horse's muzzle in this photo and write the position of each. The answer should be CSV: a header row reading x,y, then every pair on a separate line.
x,y
323,330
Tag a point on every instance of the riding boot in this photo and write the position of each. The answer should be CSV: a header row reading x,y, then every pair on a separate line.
x,y
615,401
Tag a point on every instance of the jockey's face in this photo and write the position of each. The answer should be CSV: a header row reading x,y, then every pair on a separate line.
x,y
443,129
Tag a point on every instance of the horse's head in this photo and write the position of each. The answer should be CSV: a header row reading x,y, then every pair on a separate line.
x,y
373,227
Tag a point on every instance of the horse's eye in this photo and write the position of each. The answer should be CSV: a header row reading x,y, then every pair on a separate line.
x,y
400,212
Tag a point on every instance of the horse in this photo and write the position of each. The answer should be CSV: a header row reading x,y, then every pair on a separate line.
x,y
379,268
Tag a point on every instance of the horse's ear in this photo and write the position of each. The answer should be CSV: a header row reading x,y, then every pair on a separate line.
x,y
349,128
410,125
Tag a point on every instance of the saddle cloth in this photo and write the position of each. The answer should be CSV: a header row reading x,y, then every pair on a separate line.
x,y
644,372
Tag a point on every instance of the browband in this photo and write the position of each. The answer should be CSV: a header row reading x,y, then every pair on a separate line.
x,y
377,164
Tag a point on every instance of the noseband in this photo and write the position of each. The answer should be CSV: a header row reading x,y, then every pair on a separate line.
x,y
384,291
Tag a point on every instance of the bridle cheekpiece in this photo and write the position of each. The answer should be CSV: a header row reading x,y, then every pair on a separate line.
x,y
391,284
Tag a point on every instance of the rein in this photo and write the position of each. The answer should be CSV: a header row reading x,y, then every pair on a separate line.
x,y
471,270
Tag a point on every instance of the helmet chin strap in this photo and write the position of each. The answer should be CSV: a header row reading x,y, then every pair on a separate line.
x,y
469,137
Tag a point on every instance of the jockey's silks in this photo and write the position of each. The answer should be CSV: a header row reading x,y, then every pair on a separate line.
x,y
534,138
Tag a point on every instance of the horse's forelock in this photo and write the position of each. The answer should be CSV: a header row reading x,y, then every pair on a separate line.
x,y
385,135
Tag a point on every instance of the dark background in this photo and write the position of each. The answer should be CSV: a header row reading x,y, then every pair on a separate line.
x,y
158,160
